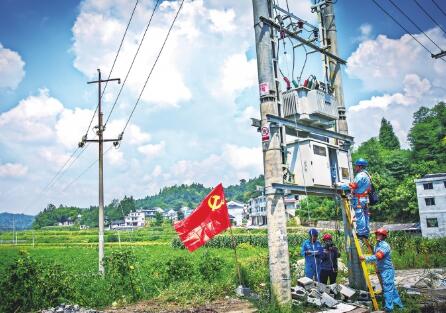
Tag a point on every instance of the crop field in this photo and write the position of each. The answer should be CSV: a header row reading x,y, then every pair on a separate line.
x,y
61,266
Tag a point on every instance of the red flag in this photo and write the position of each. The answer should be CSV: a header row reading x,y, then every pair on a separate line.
x,y
210,218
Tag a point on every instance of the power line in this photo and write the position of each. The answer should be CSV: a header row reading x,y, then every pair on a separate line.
x,y
84,171
114,62
430,16
74,160
415,24
405,29
153,66
439,8
60,170
133,61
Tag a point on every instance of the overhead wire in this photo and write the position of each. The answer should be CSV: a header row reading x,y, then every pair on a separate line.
x,y
133,61
153,66
404,28
84,171
413,23
439,8
430,16
113,66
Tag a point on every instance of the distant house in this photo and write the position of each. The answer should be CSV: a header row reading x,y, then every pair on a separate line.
x,y
257,210
186,211
117,224
431,194
135,219
171,215
236,211
67,222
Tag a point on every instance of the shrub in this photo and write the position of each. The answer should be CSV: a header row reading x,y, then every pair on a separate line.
x,y
210,266
121,274
31,285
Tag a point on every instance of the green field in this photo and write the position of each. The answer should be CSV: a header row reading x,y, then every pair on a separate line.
x,y
61,266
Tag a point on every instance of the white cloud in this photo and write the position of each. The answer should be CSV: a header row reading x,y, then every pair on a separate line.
x,y
403,76
152,150
222,21
382,64
32,119
13,170
398,108
238,73
115,156
11,68
53,155
243,158
365,32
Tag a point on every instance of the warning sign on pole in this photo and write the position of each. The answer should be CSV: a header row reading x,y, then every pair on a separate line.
x,y
265,133
264,89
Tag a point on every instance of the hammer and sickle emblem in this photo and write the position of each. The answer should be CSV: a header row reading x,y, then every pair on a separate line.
x,y
215,203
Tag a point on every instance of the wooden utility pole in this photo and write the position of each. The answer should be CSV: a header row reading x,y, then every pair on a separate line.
x,y
279,265
100,141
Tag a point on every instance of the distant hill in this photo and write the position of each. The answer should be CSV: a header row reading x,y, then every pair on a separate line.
x,y
173,197
19,221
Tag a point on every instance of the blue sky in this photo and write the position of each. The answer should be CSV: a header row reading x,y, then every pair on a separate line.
x,y
192,124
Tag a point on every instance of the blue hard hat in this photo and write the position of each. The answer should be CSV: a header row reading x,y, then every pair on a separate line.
x,y
361,162
313,232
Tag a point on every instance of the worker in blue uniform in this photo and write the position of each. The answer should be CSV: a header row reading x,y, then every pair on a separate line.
x,y
382,257
360,188
312,251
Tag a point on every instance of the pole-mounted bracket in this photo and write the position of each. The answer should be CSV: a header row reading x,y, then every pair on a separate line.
x,y
302,40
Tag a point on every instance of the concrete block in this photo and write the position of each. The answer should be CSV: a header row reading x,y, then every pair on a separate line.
x,y
333,289
243,291
363,296
314,293
347,292
315,301
328,301
305,282
298,293
322,288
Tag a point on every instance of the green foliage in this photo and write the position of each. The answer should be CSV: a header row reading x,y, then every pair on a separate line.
x,y
158,219
254,240
314,208
121,269
30,284
387,137
210,266
169,197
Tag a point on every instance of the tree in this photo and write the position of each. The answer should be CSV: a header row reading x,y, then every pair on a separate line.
x,y
180,215
387,137
158,219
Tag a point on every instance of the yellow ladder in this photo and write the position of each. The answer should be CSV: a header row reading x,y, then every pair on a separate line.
x,y
358,248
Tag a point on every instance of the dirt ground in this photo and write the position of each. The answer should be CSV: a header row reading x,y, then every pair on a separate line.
x,y
230,305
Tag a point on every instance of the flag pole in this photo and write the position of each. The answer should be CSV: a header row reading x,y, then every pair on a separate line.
x,y
237,264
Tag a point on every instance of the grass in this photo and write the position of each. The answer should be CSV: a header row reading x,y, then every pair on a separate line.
x,y
152,271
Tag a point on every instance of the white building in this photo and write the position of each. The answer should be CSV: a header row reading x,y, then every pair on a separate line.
x,y
171,215
236,211
135,219
257,210
431,194
186,211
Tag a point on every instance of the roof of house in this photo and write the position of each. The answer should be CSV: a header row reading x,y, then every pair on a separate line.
x,y
431,177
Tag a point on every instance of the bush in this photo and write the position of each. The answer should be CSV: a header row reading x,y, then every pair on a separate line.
x,y
210,266
176,269
120,267
30,284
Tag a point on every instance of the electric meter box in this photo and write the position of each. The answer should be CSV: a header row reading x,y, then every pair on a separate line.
x,y
313,103
316,163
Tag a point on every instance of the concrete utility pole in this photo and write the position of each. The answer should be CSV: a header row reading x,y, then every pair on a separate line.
x,y
329,38
100,141
333,75
279,265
